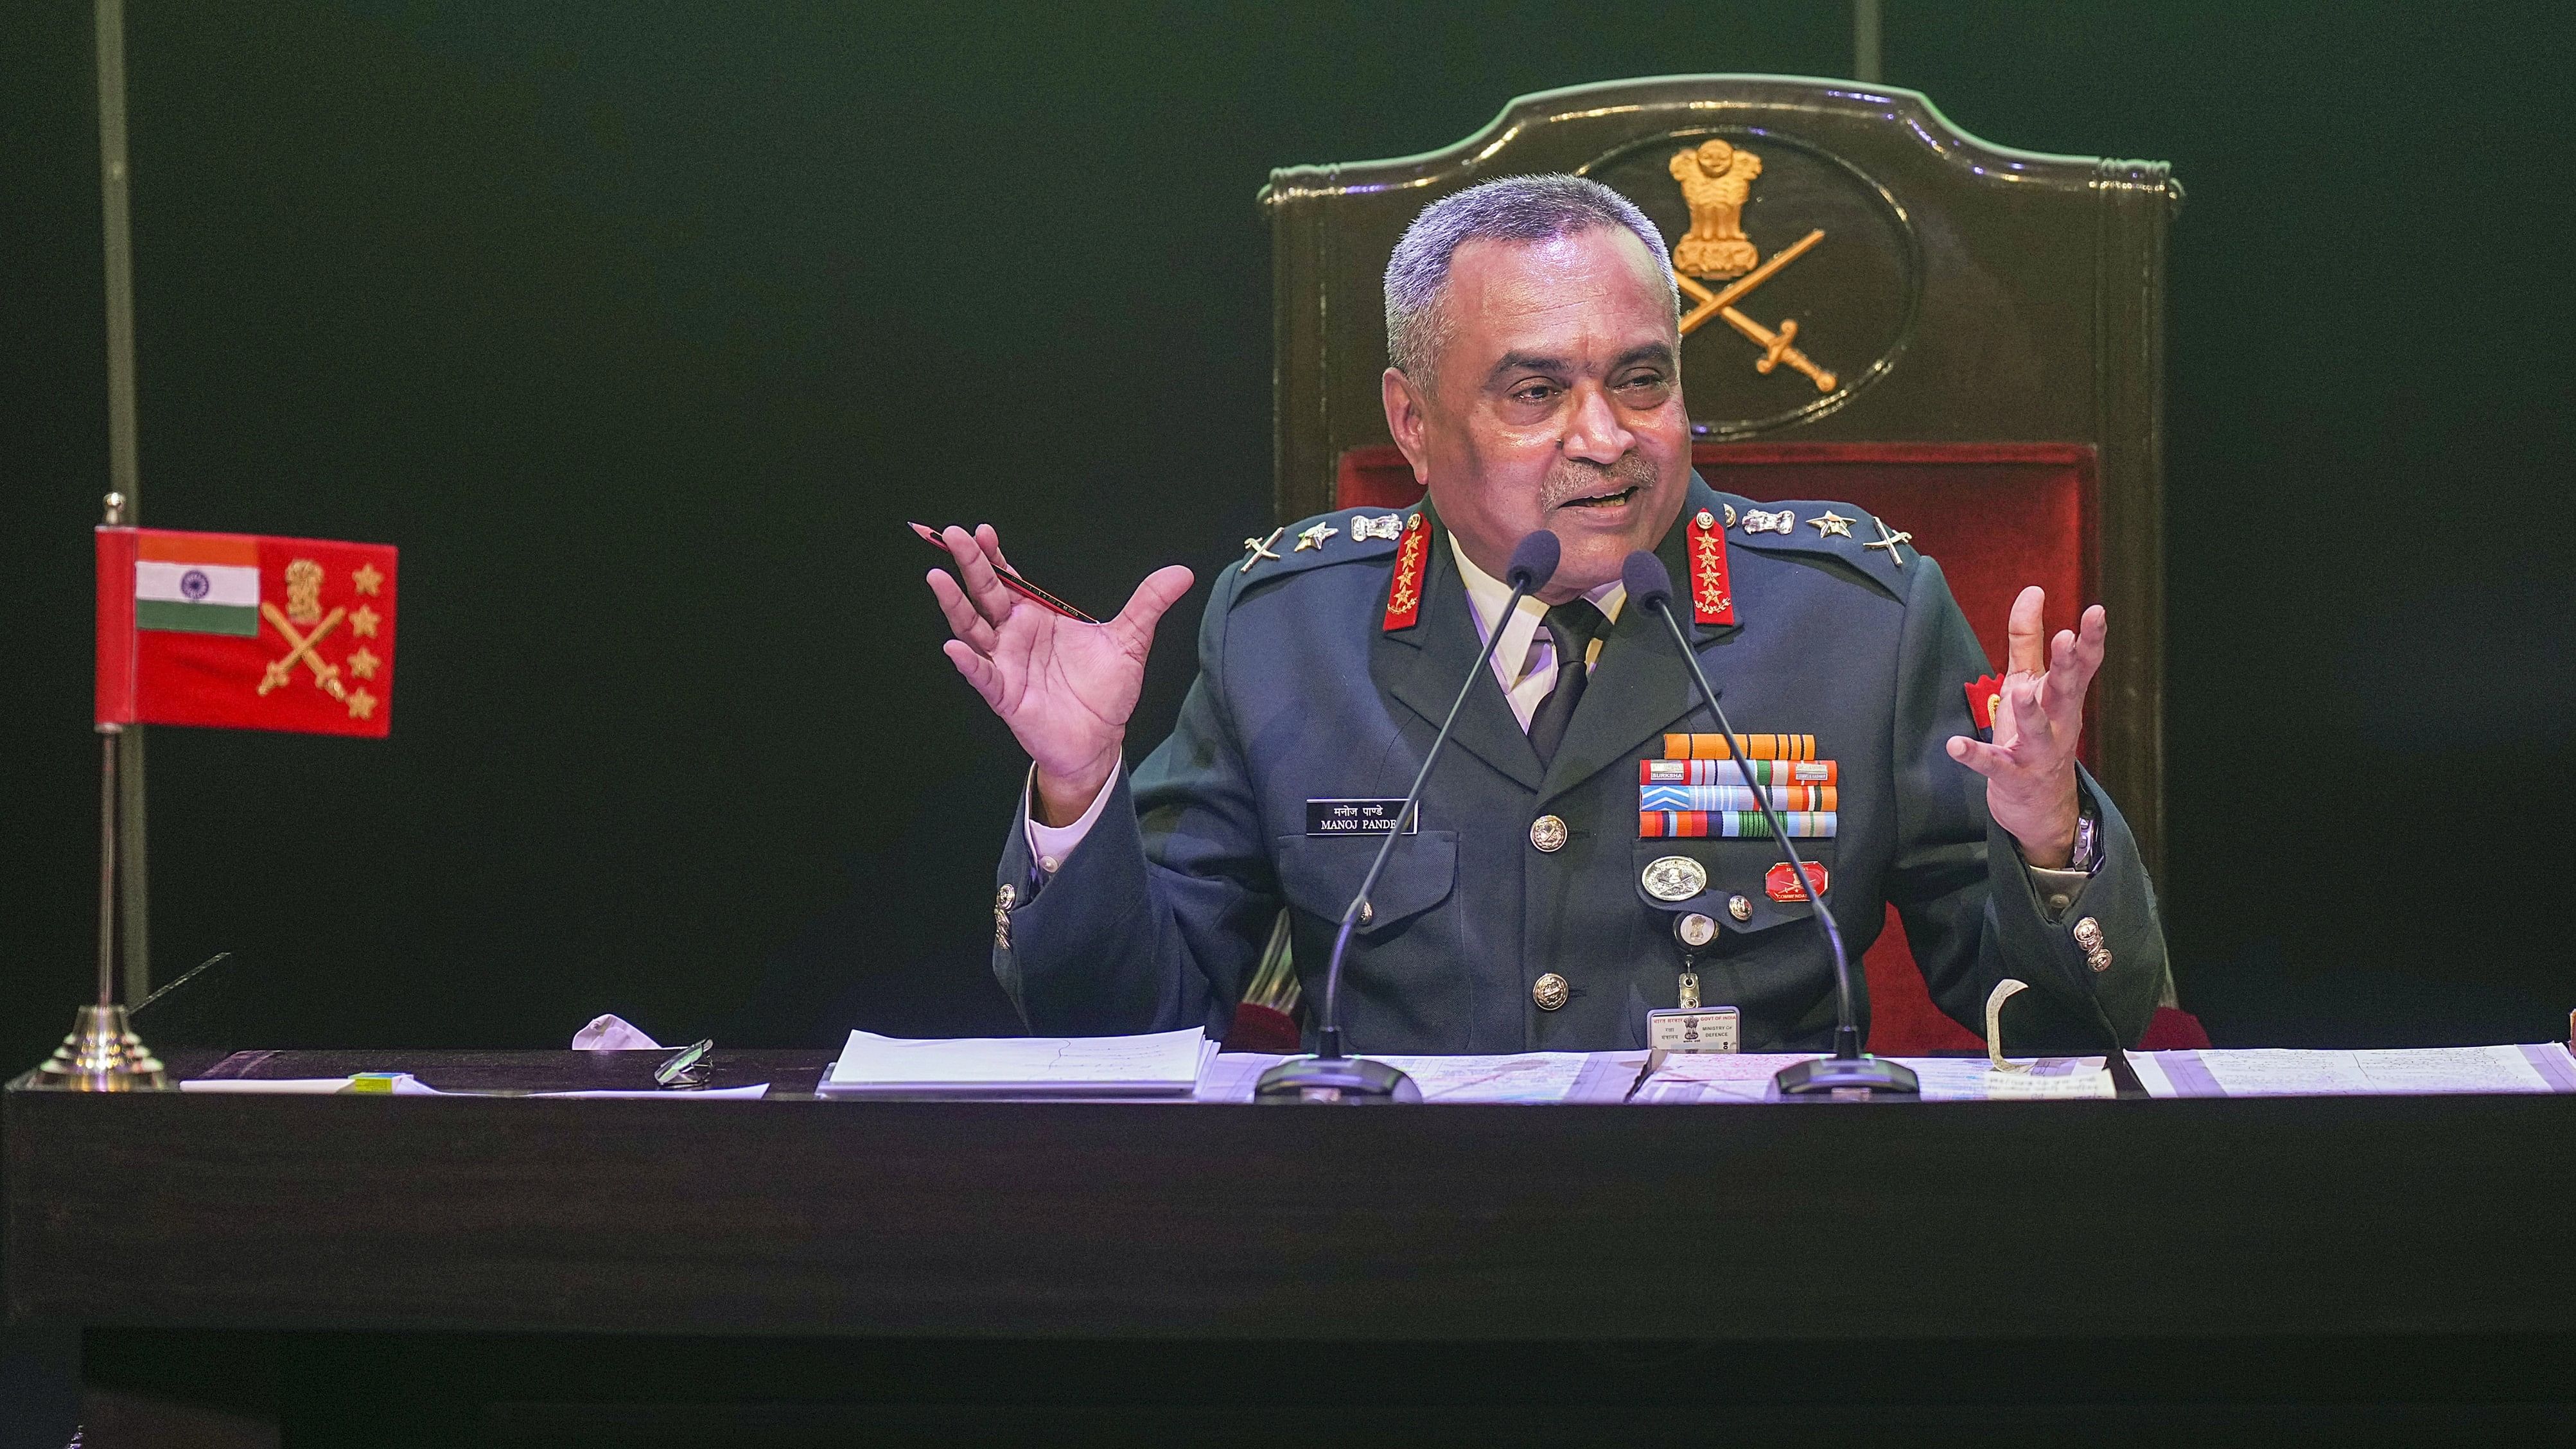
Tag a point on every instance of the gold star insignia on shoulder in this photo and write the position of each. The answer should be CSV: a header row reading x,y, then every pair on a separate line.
x,y
368,578
1259,549
1832,523
362,705
364,663
363,621
1314,537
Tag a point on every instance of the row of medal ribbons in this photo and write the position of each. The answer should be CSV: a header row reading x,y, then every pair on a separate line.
x,y
1731,824
1792,748
1725,772
1823,798
1697,789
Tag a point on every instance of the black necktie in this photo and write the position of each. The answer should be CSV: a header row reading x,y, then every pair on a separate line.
x,y
1572,626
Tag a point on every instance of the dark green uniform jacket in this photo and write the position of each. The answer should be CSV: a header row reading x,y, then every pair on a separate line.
x,y
1156,919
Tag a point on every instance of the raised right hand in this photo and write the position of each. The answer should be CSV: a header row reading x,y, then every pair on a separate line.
x,y
1064,687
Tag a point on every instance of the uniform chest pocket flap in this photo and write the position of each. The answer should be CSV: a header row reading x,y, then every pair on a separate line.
x,y
1320,874
1740,875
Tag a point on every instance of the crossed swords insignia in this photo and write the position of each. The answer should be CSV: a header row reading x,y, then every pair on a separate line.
x,y
1777,344
300,649
281,672
1716,179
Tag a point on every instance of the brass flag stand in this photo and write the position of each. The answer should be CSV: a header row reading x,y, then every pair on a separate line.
x,y
102,1054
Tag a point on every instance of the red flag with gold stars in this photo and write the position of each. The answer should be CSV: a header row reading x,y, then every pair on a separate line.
x,y
238,631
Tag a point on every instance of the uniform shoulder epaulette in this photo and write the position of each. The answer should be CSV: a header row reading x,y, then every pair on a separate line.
x,y
1845,531
1346,535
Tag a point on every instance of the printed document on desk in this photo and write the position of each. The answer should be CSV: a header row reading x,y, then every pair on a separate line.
x,y
1163,1064
1528,1078
2287,1072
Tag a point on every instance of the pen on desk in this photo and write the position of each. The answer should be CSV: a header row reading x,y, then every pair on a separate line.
x,y
1654,1064
1010,580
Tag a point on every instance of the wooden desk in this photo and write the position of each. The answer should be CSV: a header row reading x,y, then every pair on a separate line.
x,y
1947,1234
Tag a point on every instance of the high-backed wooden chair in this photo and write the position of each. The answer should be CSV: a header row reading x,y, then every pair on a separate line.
x,y
1965,340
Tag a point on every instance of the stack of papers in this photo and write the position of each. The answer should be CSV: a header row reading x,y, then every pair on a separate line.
x,y
1164,1064
2365,1072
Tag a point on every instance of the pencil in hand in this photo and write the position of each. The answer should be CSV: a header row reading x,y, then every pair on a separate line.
x,y
1010,580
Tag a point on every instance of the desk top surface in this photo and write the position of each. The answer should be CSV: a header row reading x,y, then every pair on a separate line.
x,y
2324,1215
791,1072
1596,1078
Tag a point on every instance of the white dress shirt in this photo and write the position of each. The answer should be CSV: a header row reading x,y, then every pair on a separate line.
x,y
1525,662
1524,665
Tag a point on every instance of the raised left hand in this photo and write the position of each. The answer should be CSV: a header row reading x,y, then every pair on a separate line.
x,y
2030,768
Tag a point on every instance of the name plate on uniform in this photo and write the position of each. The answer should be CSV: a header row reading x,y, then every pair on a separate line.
x,y
1357,817
1695,1029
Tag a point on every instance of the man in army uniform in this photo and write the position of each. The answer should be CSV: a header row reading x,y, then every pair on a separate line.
x,y
1536,384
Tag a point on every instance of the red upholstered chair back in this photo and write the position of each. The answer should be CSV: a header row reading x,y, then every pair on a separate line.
x,y
1964,339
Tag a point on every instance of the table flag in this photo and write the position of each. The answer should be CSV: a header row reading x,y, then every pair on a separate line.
x,y
238,631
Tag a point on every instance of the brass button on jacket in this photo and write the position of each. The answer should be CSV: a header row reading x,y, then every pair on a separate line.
x,y
2088,934
1549,991
1548,833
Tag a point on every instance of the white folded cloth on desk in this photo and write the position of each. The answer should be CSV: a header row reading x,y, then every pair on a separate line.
x,y
609,1033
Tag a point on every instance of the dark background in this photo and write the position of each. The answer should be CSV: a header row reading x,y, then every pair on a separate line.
x,y
641,330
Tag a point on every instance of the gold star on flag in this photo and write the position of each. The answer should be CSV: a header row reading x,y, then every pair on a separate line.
x,y
363,664
368,578
362,705
1831,524
363,621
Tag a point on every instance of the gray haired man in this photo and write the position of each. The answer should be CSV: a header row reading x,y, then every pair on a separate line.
x,y
1536,383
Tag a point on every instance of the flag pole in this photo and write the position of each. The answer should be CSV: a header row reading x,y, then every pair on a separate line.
x,y
103,1054
107,734
124,468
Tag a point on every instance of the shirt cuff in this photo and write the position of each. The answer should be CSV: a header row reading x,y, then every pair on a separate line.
x,y
1050,844
2059,890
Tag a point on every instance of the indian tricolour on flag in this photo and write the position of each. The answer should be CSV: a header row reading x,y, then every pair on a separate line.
x,y
197,583
244,631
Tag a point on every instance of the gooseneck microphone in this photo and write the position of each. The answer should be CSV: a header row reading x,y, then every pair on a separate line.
x,y
1849,1072
1329,1076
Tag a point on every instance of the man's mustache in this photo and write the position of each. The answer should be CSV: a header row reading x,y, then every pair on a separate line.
x,y
1570,480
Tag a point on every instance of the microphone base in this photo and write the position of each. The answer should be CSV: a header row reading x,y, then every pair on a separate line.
x,y
1346,1081
1846,1079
